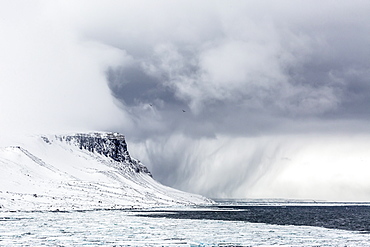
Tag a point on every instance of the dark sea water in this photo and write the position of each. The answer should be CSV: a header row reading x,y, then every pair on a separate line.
x,y
343,216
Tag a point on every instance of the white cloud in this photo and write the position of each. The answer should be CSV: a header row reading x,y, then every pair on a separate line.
x,y
51,80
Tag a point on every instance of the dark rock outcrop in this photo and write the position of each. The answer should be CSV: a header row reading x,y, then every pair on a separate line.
x,y
111,145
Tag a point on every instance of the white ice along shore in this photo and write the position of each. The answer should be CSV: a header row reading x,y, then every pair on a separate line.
x,y
81,171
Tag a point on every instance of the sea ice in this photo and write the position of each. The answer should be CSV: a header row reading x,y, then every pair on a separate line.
x,y
125,228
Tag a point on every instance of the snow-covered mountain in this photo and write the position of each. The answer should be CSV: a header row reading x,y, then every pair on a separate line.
x,y
80,171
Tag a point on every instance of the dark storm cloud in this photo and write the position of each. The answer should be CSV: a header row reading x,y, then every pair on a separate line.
x,y
291,64
133,86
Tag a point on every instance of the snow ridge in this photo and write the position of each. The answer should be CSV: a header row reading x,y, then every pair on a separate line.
x,y
82,171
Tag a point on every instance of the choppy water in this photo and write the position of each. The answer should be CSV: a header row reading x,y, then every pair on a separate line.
x,y
233,225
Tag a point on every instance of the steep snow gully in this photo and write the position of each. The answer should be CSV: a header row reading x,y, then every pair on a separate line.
x,y
83,171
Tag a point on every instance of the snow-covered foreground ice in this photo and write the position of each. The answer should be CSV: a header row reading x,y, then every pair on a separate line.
x,y
126,228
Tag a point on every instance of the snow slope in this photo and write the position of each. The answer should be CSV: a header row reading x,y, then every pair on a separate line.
x,y
80,171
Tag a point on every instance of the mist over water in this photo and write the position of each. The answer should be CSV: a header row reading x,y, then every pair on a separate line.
x,y
315,167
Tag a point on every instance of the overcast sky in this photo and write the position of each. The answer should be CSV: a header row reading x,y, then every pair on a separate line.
x,y
223,98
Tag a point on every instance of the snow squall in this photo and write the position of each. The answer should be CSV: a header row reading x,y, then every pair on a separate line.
x,y
82,171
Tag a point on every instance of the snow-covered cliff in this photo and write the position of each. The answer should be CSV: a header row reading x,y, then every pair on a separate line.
x,y
80,171
111,145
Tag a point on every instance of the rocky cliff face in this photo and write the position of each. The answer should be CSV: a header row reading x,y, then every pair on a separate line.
x,y
111,145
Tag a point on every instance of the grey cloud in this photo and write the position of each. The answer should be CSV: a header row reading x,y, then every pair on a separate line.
x,y
134,86
279,56
282,78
